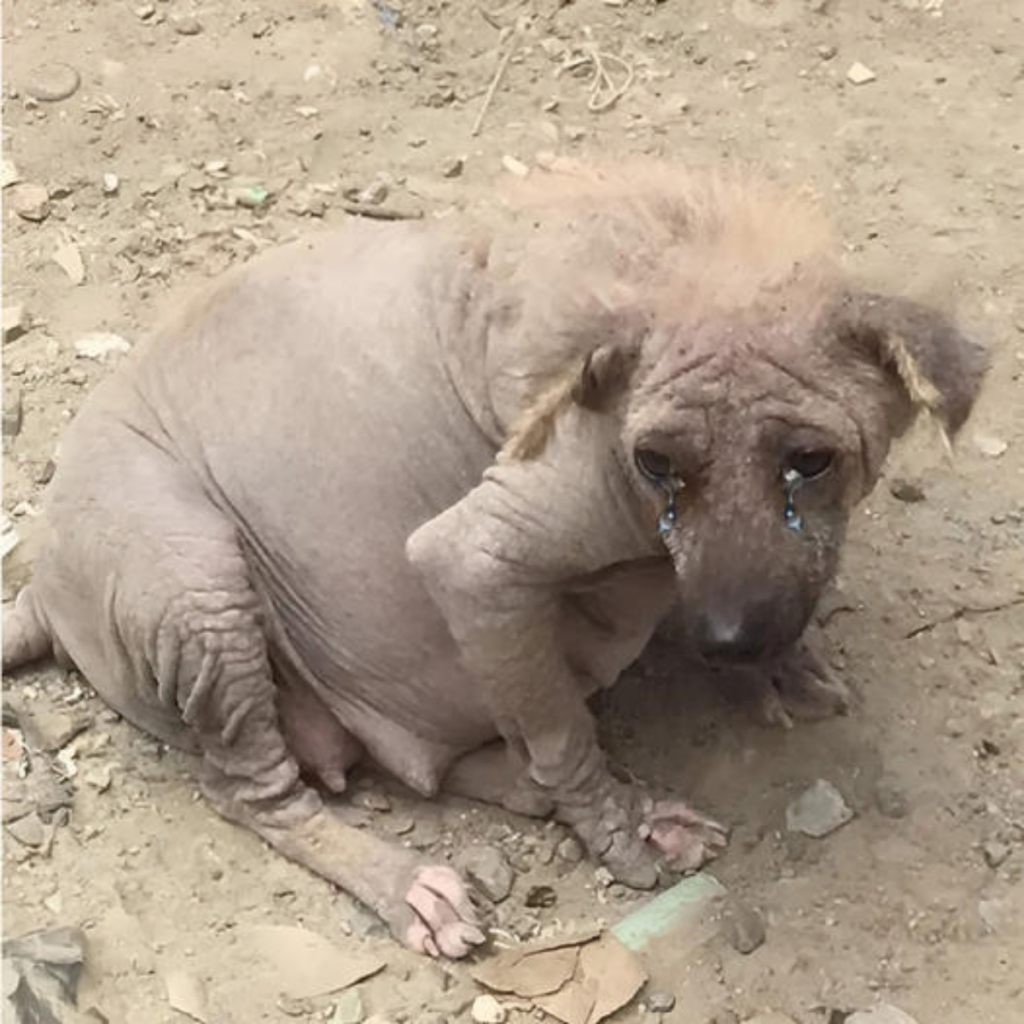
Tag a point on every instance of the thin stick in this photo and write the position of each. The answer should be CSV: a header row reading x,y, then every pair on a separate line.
x,y
495,82
379,212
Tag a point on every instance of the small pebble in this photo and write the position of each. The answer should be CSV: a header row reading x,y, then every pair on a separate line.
x,y
372,800
348,1008
488,868
145,11
514,166
487,1010
570,850
111,183
454,167
827,51
990,447
904,489
30,201
52,83
15,322
860,74
100,344
890,799
819,810
995,853
661,1002
742,926
186,25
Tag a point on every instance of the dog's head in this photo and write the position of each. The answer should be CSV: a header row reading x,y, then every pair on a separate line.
x,y
753,432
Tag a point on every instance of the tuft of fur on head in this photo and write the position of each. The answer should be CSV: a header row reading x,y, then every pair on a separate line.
x,y
596,255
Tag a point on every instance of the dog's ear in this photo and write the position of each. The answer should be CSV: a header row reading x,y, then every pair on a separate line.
x,y
935,367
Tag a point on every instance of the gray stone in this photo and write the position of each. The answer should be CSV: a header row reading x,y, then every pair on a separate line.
x,y
348,1008
819,810
904,489
661,1002
890,799
995,853
742,926
488,869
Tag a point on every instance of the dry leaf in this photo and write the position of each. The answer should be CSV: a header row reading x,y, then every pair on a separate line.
x,y
305,964
535,968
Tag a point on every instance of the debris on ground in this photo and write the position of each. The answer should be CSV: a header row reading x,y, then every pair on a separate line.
x,y
488,869
818,811
41,972
885,1013
30,202
578,979
742,925
860,74
301,963
100,344
52,82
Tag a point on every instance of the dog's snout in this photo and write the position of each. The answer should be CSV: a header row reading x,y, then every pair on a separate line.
x,y
743,636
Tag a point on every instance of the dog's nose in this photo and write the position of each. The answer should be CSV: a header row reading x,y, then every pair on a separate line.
x,y
729,638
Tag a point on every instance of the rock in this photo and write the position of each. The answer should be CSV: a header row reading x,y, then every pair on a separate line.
x,y
30,202
145,12
890,799
487,867
100,344
742,926
111,183
514,166
660,1002
372,800
99,778
187,25
818,811
903,489
995,853
375,193
47,728
746,58
990,447
996,914
570,850
860,74
8,174
15,322
348,1008
13,411
540,896
52,83
487,1010
69,259
41,972
884,1013
454,167
827,51
29,831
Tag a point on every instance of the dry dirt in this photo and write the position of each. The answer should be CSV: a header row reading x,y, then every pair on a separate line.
x,y
196,109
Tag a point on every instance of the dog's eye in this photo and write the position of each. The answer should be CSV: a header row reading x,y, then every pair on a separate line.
x,y
810,464
654,465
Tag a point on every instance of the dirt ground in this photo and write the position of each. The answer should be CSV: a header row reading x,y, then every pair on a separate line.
x,y
200,134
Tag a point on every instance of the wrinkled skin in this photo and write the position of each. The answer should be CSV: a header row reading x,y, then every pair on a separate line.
x,y
395,494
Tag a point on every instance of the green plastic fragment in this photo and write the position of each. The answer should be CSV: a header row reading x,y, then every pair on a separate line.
x,y
673,910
